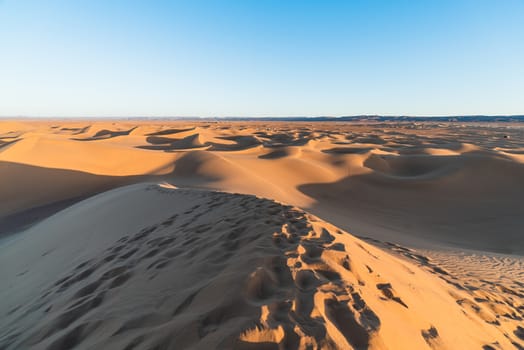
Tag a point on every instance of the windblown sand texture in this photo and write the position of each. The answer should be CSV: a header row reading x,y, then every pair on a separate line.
x,y
198,235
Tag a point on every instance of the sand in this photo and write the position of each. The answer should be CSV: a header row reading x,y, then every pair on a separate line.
x,y
215,235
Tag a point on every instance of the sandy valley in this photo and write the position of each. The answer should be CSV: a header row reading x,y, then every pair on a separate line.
x,y
261,235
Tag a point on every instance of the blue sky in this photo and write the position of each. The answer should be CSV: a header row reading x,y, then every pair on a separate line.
x,y
261,57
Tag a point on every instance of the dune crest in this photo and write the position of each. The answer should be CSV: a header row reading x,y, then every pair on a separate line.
x,y
148,266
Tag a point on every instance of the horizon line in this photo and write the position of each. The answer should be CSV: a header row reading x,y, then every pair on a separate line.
x,y
265,117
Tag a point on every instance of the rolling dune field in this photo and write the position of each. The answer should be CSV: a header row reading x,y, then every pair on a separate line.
x,y
130,234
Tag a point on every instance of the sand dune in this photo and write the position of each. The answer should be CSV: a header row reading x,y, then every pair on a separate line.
x,y
167,144
472,201
460,185
106,134
100,158
148,266
437,209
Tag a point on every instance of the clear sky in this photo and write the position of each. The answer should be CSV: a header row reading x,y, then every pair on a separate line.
x,y
261,57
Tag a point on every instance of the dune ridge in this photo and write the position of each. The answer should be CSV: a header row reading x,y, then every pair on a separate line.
x,y
151,266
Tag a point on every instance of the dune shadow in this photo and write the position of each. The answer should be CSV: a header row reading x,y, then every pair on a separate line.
x,y
240,143
38,192
41,192
451,202
169,131
106,134
74,131
348,150
158,143
7,143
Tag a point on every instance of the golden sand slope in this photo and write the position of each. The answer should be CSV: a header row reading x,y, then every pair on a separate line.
x,y
416,184
149,266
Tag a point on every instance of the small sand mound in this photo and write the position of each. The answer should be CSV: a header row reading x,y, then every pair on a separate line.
x,y
169,131
281,152
239,143
106,134
73,130
167,144
149,266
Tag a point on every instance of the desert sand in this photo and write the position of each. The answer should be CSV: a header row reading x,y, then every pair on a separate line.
x,y
257,235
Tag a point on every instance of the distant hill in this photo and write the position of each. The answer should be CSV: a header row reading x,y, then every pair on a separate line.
x,y
364,118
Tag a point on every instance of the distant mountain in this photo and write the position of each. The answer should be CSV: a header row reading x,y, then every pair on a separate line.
x,y
365,118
